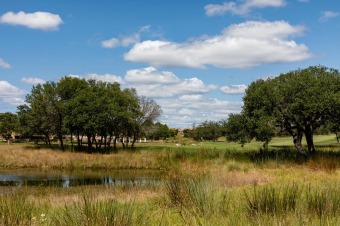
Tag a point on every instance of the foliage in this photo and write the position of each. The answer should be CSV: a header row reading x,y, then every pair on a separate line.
x,y
207,130
99,111
297,102
8,124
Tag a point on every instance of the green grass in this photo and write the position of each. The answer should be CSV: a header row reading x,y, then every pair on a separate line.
x,y
216,183
319,140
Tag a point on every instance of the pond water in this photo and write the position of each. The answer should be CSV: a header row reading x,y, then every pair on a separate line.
x,y
36,177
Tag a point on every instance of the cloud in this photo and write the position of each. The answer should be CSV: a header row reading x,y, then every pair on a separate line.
x,y
11,94
125,40
105,77
234,89
4,64
241,45
327,15
37,20
150,82
242,9
33,81
150,75
189,109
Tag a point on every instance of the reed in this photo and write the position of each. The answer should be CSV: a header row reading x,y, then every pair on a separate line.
x,y
272,200
16,210
323,201
195,199
105,212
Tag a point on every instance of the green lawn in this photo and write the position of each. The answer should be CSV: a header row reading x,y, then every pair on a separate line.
x,y
319,140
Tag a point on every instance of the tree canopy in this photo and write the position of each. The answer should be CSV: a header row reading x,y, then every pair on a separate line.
x,y
8,124
298,102
100,111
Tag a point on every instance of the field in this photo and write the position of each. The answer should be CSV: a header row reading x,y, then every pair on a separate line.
x,y
208,183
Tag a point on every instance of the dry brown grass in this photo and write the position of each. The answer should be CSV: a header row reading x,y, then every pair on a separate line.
x,y
221,173
56,197
21,156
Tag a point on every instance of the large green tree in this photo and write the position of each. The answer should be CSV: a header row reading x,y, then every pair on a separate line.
x,y
97,110
9,123
42,113
297,102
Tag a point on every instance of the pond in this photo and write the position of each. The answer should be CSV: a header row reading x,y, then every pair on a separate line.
x,y
53,178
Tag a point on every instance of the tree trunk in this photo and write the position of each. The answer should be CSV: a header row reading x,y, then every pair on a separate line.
x,y
337,138
105,140
60,138
48,141
60,132
309,138
94,140
89,142
133,141
71,141
297,139
115,143
109,142
127,141
123,142
78,140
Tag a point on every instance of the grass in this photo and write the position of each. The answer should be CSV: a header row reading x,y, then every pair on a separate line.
x,y
215,183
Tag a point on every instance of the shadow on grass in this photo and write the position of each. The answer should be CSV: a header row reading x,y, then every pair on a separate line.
x,y
279,154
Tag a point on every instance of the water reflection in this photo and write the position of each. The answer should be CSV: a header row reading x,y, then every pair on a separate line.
x,y
19,178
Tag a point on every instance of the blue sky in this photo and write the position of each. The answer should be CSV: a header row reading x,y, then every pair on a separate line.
x,y
195,58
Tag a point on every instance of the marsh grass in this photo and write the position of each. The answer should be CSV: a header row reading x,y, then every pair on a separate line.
x,y
195,199
105,212
323,201
203,186
22,156
272,200
16,210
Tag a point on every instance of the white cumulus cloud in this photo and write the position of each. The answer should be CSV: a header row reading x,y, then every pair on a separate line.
x,y
151,75
241,9
33,81
4,64
189,109
11,94
36,20
105,77
125,40
327,15
233,89
150,82
238,46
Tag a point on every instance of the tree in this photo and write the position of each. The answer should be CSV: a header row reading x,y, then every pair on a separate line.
x,y
298,102
95,109
41,113
68,88
148,111
9,123
208,130
159,131
236,129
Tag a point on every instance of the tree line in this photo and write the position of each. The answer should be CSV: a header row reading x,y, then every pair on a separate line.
x,y
99,111
297,103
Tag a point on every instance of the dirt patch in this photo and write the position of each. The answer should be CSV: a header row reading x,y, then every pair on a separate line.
x,y
236,178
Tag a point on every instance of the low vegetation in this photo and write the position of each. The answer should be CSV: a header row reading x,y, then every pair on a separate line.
x,y
208,183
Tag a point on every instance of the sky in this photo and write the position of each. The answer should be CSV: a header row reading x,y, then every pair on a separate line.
x,y
195,58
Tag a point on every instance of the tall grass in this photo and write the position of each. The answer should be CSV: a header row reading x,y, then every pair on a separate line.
x,y
195,199
107,212
16,210
272,200
323,201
